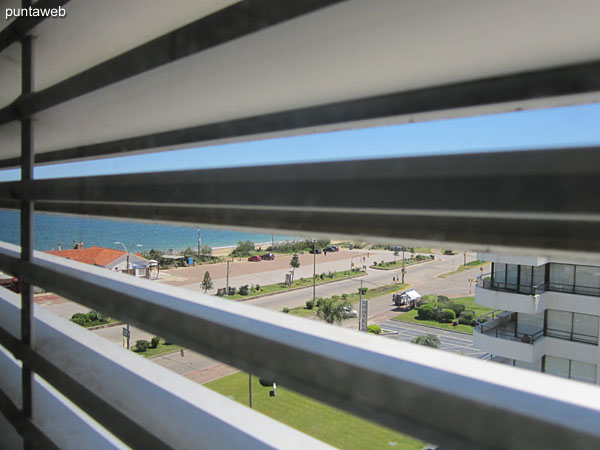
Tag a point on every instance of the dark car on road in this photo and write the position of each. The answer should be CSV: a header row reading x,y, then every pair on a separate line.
x,y
332,248
268,257
255,258
315,250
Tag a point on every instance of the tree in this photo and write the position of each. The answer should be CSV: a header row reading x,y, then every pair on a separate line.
x,y
333,310
206,250
207,282
428,340
294,264
243,249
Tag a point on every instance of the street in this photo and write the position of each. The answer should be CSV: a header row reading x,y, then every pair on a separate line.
x,y
422,277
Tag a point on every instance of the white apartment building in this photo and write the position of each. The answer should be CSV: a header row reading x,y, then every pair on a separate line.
x,y
549,319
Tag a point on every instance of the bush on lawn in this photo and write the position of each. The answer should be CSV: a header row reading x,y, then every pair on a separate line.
x,y
447,316
243,290
375,329
430,311
154,342
286,310
467,318
257,287
443,299
141,345
80,319
429,298
364,290
232,291
457,308
310,304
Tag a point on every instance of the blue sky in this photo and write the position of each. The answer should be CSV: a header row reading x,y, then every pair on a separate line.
x,y
557,127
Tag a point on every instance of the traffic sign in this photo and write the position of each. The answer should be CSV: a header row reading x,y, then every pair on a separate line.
x,y
364,308
126,332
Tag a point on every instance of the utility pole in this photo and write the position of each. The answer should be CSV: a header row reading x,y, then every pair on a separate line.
x,y
360,317
227,291
465,260
199,243
250,389
403,267
314,273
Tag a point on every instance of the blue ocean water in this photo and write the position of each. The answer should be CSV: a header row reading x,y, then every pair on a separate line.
x,y
52,229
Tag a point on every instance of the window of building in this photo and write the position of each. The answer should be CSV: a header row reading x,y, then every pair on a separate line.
x,y
566,368
557,366
572,326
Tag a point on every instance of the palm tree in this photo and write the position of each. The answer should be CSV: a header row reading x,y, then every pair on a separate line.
x,y
207,282
428,340
294,264
333,310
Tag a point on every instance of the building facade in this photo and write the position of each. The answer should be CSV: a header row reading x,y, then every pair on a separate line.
x,y
547,315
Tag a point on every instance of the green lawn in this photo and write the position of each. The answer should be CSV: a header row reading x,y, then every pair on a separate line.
x,y
469,302
303,311
317,419
302,282
462,268
161,349
390,265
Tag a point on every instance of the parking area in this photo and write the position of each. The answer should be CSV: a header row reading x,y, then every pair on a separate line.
x,y
451,341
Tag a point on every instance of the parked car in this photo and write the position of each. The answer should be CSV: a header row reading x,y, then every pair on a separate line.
x,y
350,312
255,258
315,250
268,257
332,248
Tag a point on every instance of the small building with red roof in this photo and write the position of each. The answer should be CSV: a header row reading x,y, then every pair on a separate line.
x,y
108,258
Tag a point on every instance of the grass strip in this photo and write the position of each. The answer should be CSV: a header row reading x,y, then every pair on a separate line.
x,y
463,268
469,302
302,282
324,422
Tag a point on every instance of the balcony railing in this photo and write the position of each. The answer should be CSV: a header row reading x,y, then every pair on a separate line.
x,y
503,325
485,281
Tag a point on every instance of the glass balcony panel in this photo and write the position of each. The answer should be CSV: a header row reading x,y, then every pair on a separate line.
x,y
557,366
585,328
583,371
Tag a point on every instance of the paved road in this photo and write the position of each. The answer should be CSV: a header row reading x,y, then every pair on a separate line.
x,y
422,277
451,341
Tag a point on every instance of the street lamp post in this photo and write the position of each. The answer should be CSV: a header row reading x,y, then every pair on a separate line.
x,y
128,331
127,253
314,272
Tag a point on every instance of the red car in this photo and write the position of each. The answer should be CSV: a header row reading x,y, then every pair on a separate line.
x,y
255,258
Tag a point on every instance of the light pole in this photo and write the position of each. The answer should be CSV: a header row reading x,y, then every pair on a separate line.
x,y
127,253
403,265
314,272
117,242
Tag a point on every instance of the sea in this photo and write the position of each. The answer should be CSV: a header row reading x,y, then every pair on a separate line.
x,y
52,230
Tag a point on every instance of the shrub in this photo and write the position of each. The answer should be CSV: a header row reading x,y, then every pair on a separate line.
x,y
427,311
257,287
429,298
422,257
310,304
467,318
322,276
330,274
302,280
456,307
447,316
232,290
443,299
344,296
286,310
243,290
364,290
375,329
428,340
220,292
432,256
141,345
154,342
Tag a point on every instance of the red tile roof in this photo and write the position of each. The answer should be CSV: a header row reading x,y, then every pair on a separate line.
x,y
98,256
